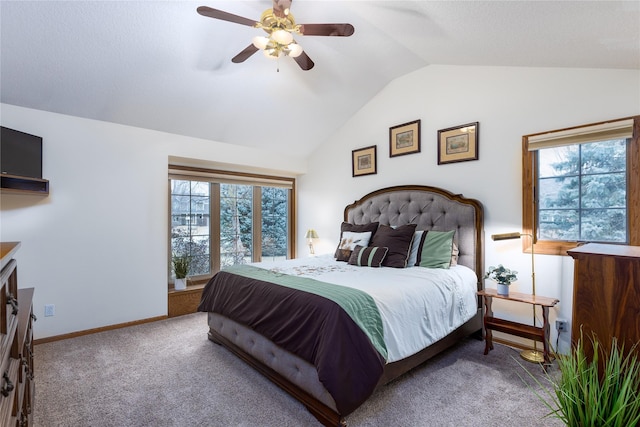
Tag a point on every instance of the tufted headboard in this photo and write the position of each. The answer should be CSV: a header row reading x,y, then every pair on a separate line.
x,y
430,208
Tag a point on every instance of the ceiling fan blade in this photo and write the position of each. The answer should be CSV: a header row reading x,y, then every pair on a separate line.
x,y
304,61
281,8
225,16
344,30
245,54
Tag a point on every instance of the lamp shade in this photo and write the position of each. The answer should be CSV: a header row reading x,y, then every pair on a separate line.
x,y
295,50
283,37
311,234
506,236
260,42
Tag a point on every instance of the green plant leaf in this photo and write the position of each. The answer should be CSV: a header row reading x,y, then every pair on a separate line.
x,y
585,398
181,266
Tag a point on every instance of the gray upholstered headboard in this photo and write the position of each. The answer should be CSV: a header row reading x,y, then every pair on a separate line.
x,y
430,208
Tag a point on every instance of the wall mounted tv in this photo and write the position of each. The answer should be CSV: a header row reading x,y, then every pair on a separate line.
x,y
20,153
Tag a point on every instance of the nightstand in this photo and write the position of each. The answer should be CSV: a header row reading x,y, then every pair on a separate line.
x,y
491,323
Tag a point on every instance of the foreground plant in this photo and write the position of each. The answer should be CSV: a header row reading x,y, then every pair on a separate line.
x,y
581,397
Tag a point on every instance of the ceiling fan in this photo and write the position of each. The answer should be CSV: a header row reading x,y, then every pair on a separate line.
x,y
280,26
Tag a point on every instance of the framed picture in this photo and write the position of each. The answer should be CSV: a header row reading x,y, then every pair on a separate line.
x,y
458,144
404,139
364,161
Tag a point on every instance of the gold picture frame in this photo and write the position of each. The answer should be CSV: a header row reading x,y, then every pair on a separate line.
x,y
363,161
404,139
458,144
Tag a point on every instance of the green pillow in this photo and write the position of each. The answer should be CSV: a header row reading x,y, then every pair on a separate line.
x,y
435,251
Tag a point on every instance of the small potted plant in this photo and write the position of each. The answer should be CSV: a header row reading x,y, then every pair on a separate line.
x,y
503,277
181,269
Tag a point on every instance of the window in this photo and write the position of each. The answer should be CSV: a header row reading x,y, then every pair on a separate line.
x,y
236,224
584,184
275,206
582,192
219,219
190,219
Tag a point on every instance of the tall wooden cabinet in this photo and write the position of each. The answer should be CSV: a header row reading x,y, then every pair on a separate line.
x,y
16,344
606,294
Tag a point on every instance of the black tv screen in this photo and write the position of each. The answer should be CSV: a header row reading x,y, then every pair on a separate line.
x,y
20,153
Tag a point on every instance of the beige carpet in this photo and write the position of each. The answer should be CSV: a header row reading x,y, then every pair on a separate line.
x,y
167,373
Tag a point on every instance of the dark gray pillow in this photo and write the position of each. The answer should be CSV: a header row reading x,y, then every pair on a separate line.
x,y
398,240
371,256
356,228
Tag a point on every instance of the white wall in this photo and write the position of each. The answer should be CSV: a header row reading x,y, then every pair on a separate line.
x,y
508,103
97,246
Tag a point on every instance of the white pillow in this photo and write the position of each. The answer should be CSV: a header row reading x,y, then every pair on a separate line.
x,y
350,240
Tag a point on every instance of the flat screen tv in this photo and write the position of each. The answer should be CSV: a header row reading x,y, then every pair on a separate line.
x,y
20,153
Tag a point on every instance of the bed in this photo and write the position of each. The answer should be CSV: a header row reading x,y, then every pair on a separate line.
x,y
321,328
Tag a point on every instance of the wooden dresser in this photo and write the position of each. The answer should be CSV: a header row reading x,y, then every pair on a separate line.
x,y
16,344
606,294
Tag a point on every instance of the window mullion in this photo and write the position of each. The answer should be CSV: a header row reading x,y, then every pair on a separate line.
x,y
580,176
257,224
214,229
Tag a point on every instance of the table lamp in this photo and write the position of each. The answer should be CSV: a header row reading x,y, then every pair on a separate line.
x,y
311,234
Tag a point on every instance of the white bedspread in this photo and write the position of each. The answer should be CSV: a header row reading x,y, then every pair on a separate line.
x,y
418,305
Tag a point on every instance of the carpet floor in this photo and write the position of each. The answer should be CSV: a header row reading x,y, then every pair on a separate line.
x,y
167,373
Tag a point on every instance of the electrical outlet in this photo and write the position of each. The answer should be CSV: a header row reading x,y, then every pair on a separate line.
x,y
49,310
561,325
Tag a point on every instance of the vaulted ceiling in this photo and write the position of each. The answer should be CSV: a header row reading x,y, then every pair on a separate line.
x,y
162,66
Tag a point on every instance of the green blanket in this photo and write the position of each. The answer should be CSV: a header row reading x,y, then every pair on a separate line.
x,y
357,304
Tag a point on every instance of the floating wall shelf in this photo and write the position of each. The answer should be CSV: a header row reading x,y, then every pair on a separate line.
x,y
13,184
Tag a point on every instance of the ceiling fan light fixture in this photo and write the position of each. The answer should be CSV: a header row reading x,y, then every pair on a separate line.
x,y
272,53
260,42
280,27
294,50
282,37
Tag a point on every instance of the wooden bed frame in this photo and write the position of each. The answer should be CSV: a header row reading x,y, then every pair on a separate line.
x,y
432,209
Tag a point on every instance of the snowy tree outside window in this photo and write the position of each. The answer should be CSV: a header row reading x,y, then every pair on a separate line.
x,y
582,192
195,204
